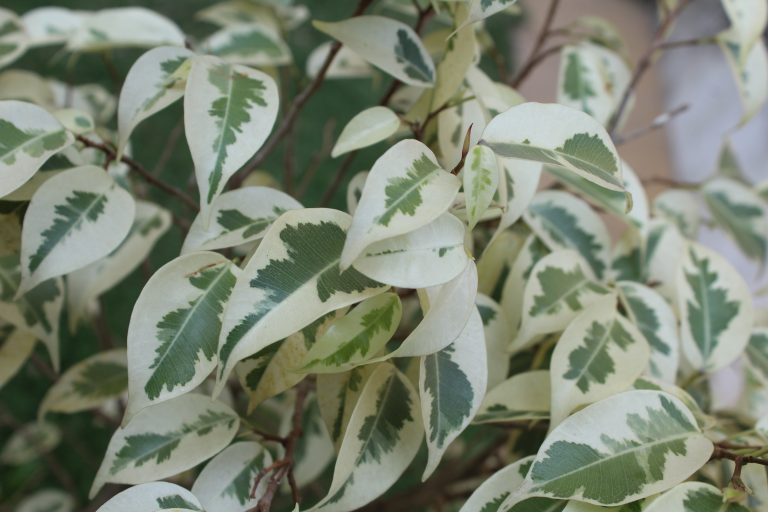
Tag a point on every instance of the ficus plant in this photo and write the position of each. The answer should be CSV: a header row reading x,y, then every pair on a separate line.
x,y
461,332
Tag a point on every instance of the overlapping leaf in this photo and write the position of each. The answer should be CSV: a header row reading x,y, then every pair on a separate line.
x,y
250,43
125,27
16,345
48,500
337,396
525,396
694,497
368,127
152,496
13,39
481,179
497,335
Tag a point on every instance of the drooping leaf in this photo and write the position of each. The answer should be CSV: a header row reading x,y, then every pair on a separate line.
x,y
174,329
741,213
238,217
123,27
29,136
337,396
297,263
355,337
88,384
563,221
559,136
226,481
600,354
452,384
621,449
229,111
693,497
481,179
655,319
525,396
405,190
428,256
74,219
398,49
368,127
152,496
155,81
381,439
715,309
166,439
253,44
559,287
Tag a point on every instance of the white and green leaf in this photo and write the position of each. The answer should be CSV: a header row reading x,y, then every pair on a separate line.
x,y
29,136
305,245
428,256
238,217
13,37
497,335
174,329
226,481
16,345
166,439
481,180
380,441
75,218
47,500
519,183
337,396
250,43
405,190
386,43
88,385
559,136
124,27
749,67
715,308
600,354
51,25
452,383
229,110
155,81
693,496
30,442
367,128
152,496
525,396
757,354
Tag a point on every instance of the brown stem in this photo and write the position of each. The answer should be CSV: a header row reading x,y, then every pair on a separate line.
x,y
141,171
660,121
645,62
293,111
464,151
533,58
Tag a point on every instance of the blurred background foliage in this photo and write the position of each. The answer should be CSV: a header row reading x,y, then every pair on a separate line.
x,y
319,124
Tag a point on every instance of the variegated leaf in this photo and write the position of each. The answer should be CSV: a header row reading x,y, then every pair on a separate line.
x,y
87,284
600,354
124,27
452,383
757,354
166,439
405,190
74,219
273,370
29,137
347,63
494,491
664,248
748,20
13,38
155,81
592,79
559,136
559,287
621,449
368,127
397,49
88,384
229,111
30,442
519,182
250,43
481,180
47,500
428,256
174,329
152,496
482,9
497,335
337,396
460,53
693,497
306,246
704,421
16,345
355,190
453,125
525,396
750,70
356,337
238,217
51,25
381,440
226,481
563,221
447,309
656,320
715,309
37,311
314,450
741,213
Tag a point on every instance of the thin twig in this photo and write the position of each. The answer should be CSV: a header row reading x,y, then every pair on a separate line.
x,y
533,58
659,122
141,171
170,146
317,158
645,62
296,106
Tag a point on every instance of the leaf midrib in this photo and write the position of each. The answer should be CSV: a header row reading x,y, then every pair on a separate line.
x,y
14,151
393,208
